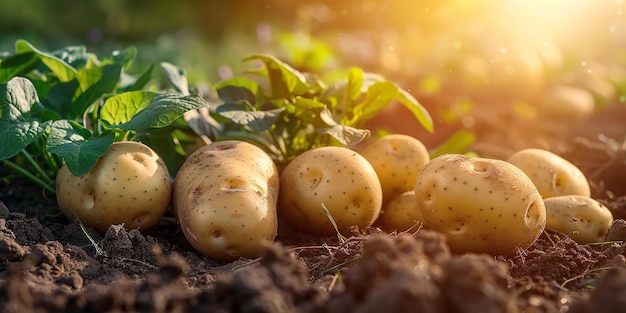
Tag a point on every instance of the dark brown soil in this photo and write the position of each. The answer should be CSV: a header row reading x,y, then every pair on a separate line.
x,y
48,264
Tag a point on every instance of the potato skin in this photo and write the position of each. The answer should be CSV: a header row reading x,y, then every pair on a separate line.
x,y
480,205
225,197
130,184
337,177
401,214
397,159
552,174
583,219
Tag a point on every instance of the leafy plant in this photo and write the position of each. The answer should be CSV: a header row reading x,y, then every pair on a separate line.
x,y
287,112
68,106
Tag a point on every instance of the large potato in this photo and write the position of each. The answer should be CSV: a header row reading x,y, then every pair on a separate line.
x,y
397,159
225,198
401,213
337,177
480,205
552,174
583,219
130,184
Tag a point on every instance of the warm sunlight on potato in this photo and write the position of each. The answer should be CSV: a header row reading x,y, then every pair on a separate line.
x,y
397,159
337,177
567,102
225,200
401,214
552,174
480,205
583,219
130,184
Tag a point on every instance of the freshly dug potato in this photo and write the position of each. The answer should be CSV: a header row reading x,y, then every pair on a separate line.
x,y
480,205
225,200
583,219
401,213
552,174
397,159
337,177
130,184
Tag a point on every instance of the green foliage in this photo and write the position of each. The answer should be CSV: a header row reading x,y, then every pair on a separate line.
x,y
288,112
68,106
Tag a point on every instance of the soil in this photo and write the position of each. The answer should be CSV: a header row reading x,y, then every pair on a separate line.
x,y
50,264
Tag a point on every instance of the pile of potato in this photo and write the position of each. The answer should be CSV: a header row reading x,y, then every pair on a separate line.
x,y
229,195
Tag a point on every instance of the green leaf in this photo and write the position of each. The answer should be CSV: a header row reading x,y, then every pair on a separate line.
x,y
459,142
163,110
285,81
354,81
122,107
95,83
347,135
377,97
143,80
123,57
72,142
63,71
18,64
243,82
257,121
416,108
234,94
176,76
76,56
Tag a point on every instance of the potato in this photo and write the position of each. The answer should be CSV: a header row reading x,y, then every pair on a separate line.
x,y
337,177
583,219
480,205
396,159
130,184
401,213
552,174
225,198
567,102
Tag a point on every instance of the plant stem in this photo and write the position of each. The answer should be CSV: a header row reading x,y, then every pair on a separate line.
x,y
30,176
38,168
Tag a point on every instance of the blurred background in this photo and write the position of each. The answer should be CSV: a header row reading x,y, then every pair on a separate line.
x,y
467,61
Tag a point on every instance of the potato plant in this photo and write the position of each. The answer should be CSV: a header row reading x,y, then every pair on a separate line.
x,y
67,107
480,205
129,185
225,198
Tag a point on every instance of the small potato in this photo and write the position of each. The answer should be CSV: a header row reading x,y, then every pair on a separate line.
x,y
401,213
552,174
397,159
337,177
225,200
480,205
583,219
130,184
567,103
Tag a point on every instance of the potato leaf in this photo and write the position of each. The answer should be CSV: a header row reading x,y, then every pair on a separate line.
x,y
234,94
17,65
63,71
94,83
285,81
176,76
122,107
19,126
416,108
378,96
257,121
163,110
347,135
74,144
